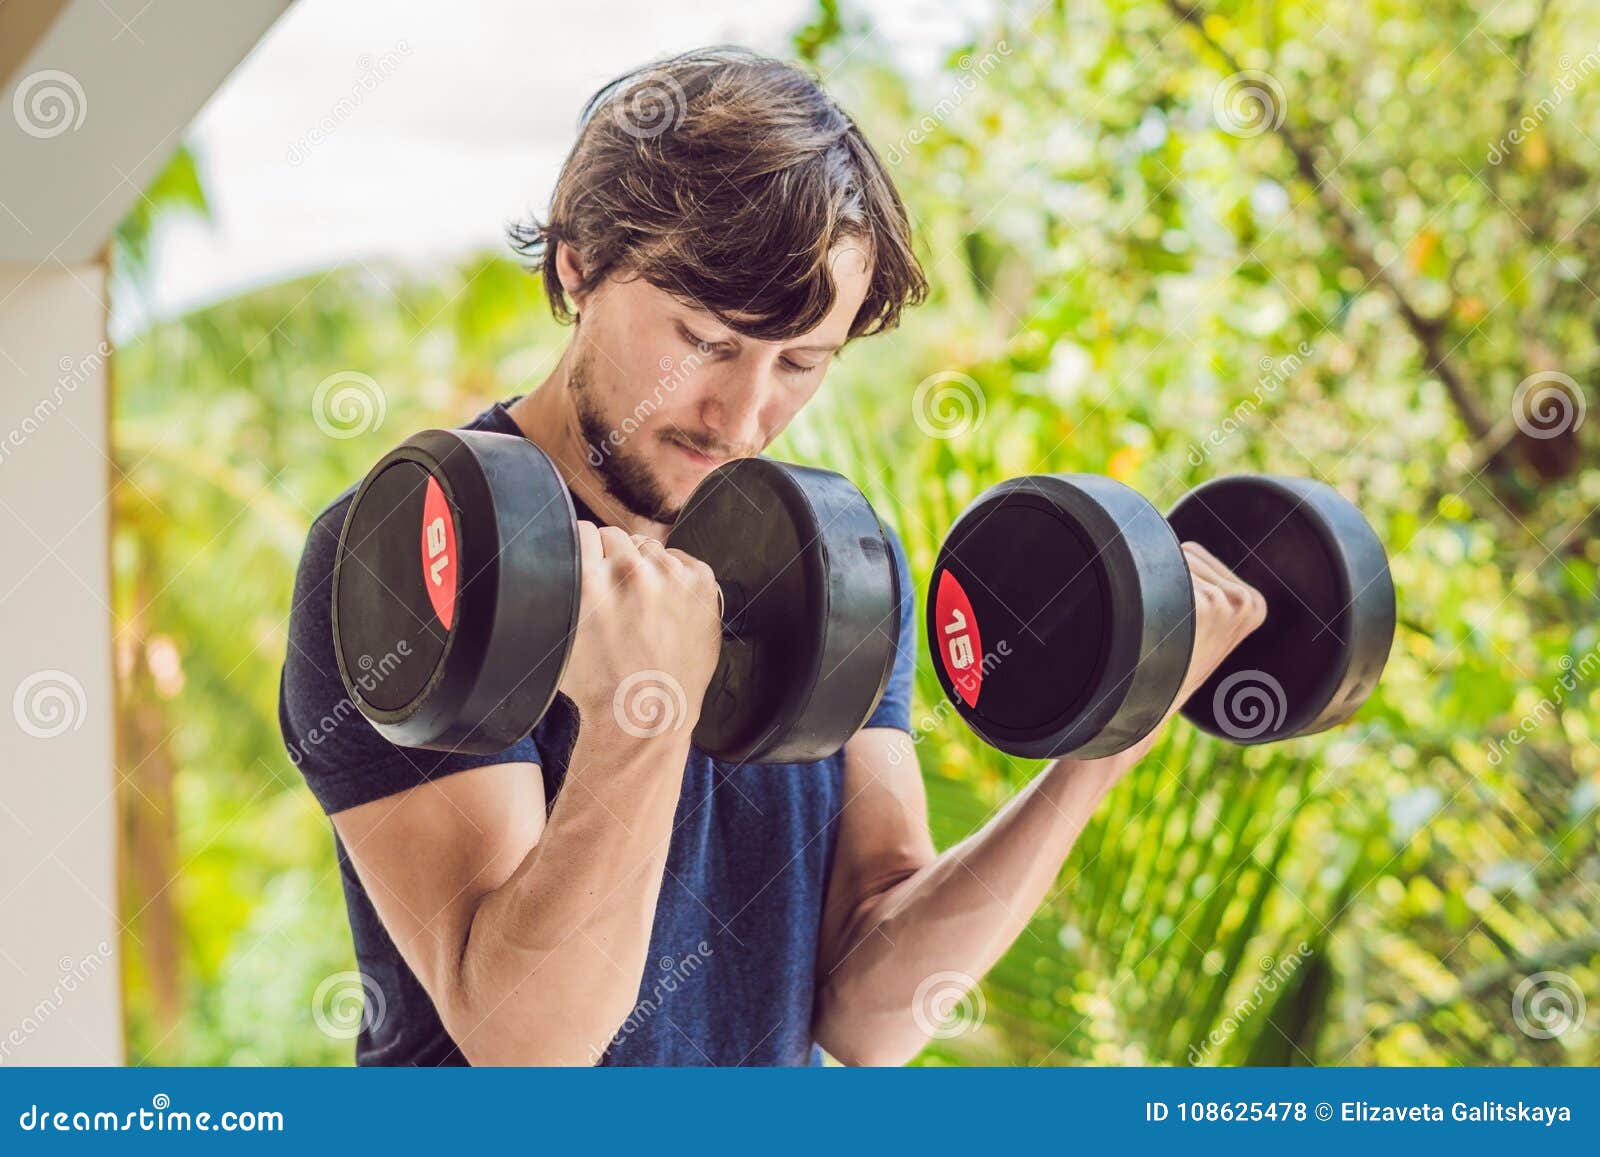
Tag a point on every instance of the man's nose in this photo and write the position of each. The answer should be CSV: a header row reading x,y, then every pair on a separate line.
x,y
733,409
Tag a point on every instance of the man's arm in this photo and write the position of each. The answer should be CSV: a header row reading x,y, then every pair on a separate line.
x,y
897,913
530,937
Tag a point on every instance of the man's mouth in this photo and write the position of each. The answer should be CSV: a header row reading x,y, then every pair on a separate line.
x,y
700,459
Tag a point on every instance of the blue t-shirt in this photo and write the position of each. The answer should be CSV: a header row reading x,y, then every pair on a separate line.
x,y
731,975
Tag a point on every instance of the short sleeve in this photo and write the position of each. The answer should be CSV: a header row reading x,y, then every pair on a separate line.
x,y
344,760
894,709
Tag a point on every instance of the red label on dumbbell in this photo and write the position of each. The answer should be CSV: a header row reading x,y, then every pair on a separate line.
x,y
439,553
958,643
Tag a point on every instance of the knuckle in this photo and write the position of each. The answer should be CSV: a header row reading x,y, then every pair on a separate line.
x,y
670,569
1258,607
699,570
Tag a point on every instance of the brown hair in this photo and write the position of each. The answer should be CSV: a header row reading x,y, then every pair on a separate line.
x,y
726,179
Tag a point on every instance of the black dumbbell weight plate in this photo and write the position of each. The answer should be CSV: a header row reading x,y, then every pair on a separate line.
x,y
805,567
1060,616
455,590
1330,605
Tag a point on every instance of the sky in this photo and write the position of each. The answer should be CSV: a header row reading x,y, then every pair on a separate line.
x,y
413,131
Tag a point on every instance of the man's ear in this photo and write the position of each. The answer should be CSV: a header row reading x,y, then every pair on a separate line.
x,y
570,269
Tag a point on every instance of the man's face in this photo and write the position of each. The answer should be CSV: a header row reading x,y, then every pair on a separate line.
x,y
665,392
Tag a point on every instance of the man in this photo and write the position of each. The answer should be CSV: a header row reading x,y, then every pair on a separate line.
x,y
720,230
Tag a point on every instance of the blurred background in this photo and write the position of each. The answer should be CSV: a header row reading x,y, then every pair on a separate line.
x,y
1353,242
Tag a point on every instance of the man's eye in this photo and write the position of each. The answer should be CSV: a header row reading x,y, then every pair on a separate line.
x,y
797,368
696,340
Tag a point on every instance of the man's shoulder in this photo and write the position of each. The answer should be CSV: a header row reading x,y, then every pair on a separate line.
x,y
321,547
322,537
311,687
344,760
311,608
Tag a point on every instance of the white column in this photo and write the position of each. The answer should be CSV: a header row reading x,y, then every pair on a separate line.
x,y
60,997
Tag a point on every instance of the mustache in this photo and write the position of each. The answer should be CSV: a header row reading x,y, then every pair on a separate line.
x,y
708,444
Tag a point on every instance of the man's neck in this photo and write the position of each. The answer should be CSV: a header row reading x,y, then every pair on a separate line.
x,y
548,418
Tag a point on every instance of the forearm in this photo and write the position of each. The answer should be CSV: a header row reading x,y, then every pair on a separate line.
x,y
958,913
553,958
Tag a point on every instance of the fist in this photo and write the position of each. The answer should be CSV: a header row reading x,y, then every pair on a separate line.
x,y
648,637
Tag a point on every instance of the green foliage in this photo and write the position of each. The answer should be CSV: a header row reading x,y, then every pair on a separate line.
x,y
1129,289
176,189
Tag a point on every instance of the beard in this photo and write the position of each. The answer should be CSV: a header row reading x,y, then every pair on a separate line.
x,y
625,475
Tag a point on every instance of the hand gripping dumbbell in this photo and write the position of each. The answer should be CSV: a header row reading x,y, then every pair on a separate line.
x,y
456,597
1061,612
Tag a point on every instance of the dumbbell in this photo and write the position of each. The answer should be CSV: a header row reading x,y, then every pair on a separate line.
x,y
456,597
1061,612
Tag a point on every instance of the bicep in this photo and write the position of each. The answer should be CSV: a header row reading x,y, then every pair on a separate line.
x,y
429,855
883,829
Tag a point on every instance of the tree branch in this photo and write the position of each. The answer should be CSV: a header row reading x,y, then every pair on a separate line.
x,y
1355,239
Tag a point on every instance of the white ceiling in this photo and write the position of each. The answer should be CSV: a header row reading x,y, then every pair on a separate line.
x,y
96,105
